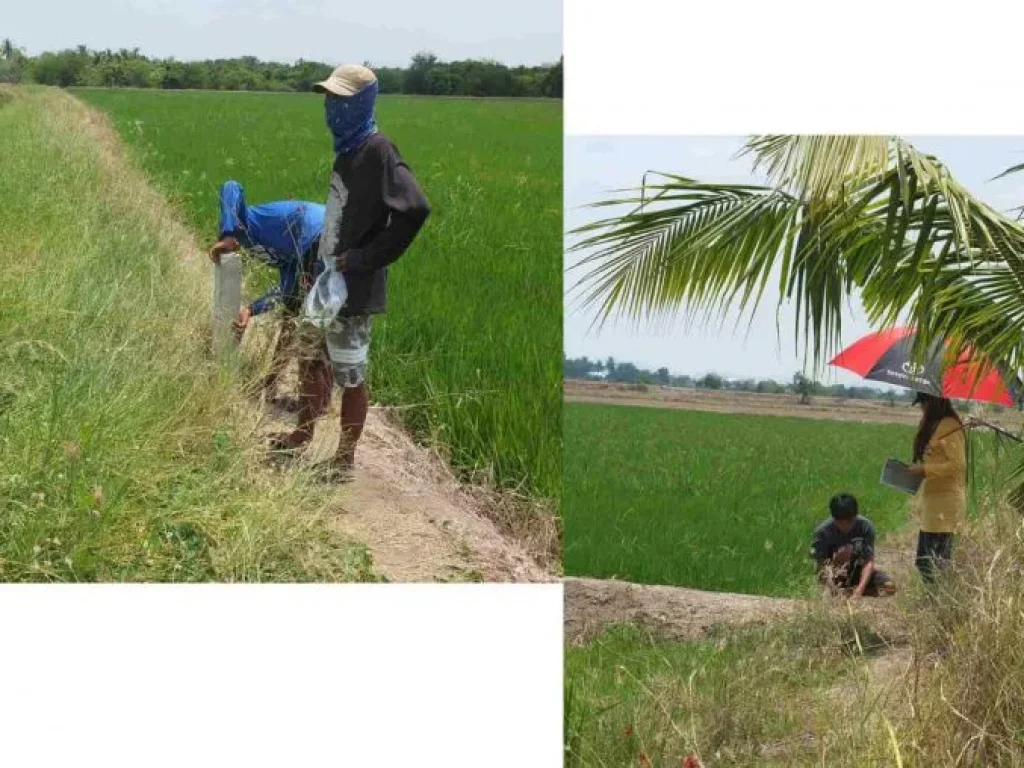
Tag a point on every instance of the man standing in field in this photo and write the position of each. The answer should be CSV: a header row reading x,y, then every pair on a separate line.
x,y
284,234
844,551
375,209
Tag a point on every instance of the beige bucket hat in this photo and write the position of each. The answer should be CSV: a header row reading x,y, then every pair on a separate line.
x,y
346,80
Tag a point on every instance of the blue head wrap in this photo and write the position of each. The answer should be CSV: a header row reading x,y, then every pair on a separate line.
x,y
350,119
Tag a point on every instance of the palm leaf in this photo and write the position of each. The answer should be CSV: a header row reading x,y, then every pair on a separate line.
x,y
844,213
818,168
1012,169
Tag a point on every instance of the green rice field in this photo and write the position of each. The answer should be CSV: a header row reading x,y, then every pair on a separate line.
x,y
471,344
715,501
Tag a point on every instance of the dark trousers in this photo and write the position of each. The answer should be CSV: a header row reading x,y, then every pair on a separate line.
x,y
934,551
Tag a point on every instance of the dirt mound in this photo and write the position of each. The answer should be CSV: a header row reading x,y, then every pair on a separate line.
x,y
674,613
680,613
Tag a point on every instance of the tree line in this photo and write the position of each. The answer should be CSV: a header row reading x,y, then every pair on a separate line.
x,y
426,74
805,387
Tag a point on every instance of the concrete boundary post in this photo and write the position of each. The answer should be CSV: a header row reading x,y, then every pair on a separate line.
x,y
227,299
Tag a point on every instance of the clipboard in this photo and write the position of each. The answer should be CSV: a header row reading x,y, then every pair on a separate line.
x,y
896,474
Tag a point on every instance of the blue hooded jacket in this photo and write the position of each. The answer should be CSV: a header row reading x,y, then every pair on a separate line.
x,y
282,234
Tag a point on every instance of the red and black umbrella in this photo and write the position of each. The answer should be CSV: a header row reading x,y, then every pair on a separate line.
x,y
886,356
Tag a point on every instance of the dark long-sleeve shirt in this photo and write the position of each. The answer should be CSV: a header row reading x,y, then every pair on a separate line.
x,y
375,209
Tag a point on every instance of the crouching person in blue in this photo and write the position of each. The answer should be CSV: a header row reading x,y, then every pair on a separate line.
x,y
284,234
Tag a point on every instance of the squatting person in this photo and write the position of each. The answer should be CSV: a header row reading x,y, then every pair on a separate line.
x,y
843,549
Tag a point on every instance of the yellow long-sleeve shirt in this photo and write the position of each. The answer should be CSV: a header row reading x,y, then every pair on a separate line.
x,y
941,502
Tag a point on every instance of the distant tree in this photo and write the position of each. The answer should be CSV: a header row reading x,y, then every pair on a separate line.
x,y
12,62
495,79
130,68
552,84
10,72
416,74
769,387
62,69
804,387
305,73
577,368
527,81
625,372
389,79
440,82
711,381
663,376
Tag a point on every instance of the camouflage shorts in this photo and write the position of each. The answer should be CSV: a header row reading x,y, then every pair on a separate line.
x,y
344,344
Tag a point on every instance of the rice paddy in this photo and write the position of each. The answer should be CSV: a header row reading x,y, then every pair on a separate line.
x,y
470,348
715,501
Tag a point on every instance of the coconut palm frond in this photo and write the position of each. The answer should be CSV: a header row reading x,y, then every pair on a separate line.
x,y
981,312
902,232
817,168
656,258
1011,170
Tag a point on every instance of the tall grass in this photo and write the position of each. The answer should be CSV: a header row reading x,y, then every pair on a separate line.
x,y
471,344
637,701
968,702
121,453
941,685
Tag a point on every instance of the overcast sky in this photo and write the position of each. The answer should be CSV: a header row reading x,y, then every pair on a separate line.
x,y
596,165
334,31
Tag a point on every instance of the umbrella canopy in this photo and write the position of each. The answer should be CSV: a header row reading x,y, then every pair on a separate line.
x,y
886,356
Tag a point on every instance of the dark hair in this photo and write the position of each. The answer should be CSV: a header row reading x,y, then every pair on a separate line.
x,y
935,409
843,506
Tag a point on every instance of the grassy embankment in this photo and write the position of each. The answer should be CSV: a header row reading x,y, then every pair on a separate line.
x,y
123,455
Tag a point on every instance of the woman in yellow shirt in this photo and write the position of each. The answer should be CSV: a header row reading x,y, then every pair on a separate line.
x,y
940,458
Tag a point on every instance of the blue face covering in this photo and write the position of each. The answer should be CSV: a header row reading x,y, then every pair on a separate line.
x,y
351,119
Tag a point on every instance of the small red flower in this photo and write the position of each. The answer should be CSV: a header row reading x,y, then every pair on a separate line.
x,y
629,731
691,761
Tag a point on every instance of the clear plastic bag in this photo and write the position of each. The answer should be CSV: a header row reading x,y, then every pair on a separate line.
x,y
326,297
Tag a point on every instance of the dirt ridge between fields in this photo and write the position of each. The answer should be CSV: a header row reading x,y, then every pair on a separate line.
x,y
825,408
683,613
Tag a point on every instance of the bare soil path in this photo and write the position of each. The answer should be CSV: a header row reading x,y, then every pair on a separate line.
x,y
419,523
680,613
